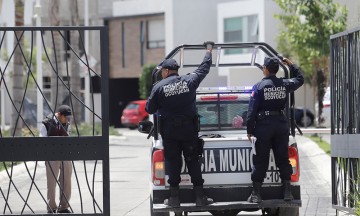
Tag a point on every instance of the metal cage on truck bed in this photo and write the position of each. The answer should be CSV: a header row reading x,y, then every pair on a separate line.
x,y
228,198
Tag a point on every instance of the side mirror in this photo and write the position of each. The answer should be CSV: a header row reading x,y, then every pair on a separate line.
x,y
145,127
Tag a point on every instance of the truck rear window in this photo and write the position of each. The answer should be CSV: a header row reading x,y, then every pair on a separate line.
x,y
217,111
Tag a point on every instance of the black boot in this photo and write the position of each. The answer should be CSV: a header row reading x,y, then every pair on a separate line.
x,y
174,199
200,198
287,191
255,196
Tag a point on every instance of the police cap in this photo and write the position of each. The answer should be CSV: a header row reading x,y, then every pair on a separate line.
x,y
272,64
64,110
170,64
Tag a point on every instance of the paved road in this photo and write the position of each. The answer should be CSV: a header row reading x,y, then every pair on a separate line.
x,y
129,179
315,182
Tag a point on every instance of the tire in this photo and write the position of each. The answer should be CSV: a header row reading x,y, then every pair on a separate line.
x,y
272,211
152,213
232,212
308,119
132,127
282,211
286,211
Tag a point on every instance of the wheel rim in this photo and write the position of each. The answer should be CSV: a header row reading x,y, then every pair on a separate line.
x,y
306,121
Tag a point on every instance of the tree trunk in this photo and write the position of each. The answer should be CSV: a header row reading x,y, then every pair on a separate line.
x,y
321,86
75,69
18,88
57,88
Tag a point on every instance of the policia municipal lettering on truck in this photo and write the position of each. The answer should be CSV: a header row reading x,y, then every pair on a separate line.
x,y
232,160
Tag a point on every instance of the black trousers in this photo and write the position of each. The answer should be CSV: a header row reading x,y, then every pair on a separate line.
x,y
181,139
271,132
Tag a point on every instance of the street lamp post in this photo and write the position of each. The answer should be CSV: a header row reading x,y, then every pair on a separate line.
x,y
39,76
87,76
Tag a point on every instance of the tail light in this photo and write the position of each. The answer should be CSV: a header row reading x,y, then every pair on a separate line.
x,y
294,161
158,169
326,106
222,98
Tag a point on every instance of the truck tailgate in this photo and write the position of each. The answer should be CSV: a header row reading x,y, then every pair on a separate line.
x,y
228,161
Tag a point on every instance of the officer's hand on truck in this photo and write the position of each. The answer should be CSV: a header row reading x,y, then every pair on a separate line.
x,y
209,45
249,137
285,60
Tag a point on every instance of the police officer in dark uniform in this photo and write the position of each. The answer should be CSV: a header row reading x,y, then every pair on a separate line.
x,y
266,121
173,98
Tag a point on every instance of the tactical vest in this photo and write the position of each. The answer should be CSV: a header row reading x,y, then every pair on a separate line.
x,y
53,128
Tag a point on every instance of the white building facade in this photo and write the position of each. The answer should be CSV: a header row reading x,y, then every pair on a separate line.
x,y
222,21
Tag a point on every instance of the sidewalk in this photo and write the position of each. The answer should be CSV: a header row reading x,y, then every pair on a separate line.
x,y
315,179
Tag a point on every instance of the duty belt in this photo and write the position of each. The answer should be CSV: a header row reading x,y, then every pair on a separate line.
x,y
262,114
272,112
178,121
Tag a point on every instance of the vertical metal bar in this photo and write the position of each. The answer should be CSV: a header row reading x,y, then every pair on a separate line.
x,y
123,48
104,37
218,56
334,182
142,39
181,57
349,83
332,88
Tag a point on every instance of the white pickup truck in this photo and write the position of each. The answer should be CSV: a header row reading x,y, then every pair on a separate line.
x,y
227,156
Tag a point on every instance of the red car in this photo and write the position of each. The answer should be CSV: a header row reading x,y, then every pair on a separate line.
x,y
133,113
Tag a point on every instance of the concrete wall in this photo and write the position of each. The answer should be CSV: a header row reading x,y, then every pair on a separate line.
x,y
131,67
193,22
138,7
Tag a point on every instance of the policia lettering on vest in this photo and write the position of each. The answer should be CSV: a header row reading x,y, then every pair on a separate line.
x,y
266,121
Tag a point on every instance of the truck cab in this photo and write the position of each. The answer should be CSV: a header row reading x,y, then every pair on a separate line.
x,y
227,155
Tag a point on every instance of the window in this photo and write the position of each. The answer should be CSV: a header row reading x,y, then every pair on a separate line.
x,y
155,34
46,82
218,111
240,29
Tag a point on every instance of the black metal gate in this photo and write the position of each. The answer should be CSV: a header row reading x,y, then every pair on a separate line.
x,y
23,187
345,119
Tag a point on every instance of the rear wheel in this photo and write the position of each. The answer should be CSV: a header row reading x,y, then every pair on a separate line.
x,y
286,211
305,121
152,213
283,211
231,212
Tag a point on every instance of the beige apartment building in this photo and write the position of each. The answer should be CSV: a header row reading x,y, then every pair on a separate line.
x,y
135,41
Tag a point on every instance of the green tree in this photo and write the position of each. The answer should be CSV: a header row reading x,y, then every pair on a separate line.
x,y
305,36
145,82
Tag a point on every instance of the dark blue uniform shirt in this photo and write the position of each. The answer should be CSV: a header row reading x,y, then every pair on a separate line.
x,y
270,95
176,95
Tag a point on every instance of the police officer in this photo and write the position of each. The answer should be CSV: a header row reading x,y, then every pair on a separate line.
x,y
173,98
58,171
266,121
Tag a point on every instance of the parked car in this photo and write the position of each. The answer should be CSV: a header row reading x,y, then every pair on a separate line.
x,y
30,111
304,120
133,113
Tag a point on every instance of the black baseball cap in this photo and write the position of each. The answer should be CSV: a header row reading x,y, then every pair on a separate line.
x,y
170,64
272,64
64,110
